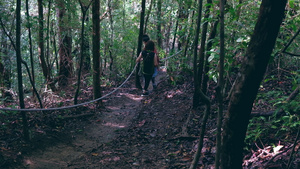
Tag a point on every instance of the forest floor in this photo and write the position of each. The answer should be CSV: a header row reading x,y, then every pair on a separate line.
x,y
154,132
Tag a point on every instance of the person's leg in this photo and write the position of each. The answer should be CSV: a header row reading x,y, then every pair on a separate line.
x,y
153,83
153,78
147,81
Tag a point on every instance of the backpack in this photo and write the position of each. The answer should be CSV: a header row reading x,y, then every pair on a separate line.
x,y
148,62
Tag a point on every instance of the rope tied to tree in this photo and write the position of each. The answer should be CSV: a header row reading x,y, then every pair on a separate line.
x,y
85,103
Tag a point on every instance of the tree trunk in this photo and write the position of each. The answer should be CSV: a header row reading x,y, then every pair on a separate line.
x,y
8,64
96,50
111,42
19,70
41,41
219,88
175,35
147,16
139,49
196,97
30,44
159,22
84,10
65,58
1,77
245,89
209,44
86,47
188,41
202,44
183,15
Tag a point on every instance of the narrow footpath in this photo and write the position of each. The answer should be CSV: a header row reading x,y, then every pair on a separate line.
x,y
120,109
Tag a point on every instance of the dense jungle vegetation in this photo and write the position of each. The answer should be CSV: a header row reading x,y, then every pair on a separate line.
x,y
241,57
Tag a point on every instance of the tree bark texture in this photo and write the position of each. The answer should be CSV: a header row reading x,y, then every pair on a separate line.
x,y
245,90
65,46
19,70
30,43
96,49
139,49
158,26
196,97
41,41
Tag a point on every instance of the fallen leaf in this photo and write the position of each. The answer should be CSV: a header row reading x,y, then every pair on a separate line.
x,y
95,154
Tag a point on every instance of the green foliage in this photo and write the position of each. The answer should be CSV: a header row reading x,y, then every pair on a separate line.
x,y
275,127
6,118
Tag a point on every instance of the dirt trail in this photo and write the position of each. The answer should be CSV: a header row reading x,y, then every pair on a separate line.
x,y
120,110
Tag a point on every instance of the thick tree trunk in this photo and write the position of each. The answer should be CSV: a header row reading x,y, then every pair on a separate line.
x,y
96,50
65,58
247,84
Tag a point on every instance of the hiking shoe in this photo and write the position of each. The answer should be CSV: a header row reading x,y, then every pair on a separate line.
x,y
145,93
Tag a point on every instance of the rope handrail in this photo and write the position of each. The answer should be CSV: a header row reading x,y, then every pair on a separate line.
x,y
72,106
84,103
171,56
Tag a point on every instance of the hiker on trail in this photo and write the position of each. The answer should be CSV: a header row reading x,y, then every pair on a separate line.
x,y
149,59
146,38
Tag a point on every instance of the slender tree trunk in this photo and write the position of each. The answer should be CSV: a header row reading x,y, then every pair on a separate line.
x,y
2,68
212,35
96,50
175,35
1,77
41,41
203,41
196,97
147,16
19,69
188,44
30,44
139,49
48,37
7,67
202,131
159,22
220,84
111,42
245,89
183,15
86,47
82,50
168,33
